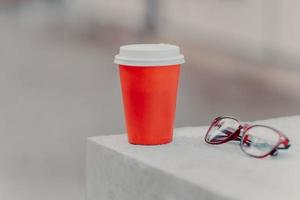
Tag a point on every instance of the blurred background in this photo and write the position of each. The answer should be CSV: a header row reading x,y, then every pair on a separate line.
x,y
59,85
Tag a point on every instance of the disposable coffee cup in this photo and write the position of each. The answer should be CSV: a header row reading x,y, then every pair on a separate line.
x,y
149,75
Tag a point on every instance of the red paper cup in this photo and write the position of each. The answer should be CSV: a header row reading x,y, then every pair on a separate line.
x,y
149,75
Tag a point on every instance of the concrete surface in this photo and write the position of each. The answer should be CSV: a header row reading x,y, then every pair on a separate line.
x,y
190,169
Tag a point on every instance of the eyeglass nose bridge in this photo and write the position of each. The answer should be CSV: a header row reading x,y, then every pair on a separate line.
x,y
236,134
244,128
285,142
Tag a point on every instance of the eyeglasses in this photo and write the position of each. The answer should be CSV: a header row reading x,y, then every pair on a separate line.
x,y
255,140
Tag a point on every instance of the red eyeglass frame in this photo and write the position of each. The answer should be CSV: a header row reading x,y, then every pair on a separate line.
x,y
239,134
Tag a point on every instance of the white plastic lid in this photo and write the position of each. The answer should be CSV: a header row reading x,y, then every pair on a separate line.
x,y
149,55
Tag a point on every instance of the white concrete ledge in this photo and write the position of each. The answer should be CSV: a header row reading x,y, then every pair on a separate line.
x,y
190,169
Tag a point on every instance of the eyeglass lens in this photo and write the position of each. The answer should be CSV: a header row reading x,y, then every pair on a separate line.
x,y
259,141
222,130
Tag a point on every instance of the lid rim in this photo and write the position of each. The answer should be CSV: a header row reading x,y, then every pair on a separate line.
x,y
150,64
149,55
119,57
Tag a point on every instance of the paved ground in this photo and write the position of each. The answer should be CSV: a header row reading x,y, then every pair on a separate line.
x,y
57,90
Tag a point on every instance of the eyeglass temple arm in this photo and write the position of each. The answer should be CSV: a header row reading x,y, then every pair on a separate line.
x,y
285,142
284,147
